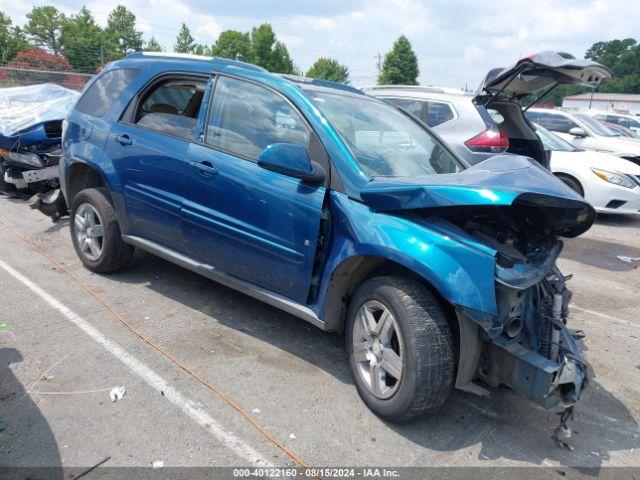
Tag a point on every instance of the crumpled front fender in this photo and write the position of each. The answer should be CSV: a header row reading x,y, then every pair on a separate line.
x,y
460,268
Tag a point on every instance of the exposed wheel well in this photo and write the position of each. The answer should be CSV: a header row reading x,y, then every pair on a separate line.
x,y
350,274
572,179
82,176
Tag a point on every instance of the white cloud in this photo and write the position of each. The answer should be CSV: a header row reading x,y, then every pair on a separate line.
x,y
456,41
209,30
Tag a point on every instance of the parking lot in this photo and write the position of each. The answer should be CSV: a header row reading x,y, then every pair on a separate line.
x,y
270,378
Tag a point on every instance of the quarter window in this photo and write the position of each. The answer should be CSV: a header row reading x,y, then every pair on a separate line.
x,y
556,123
172,107
246,118
430,112
105,90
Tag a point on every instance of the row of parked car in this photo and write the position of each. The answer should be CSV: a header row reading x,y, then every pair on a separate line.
x,y
584,148
433,250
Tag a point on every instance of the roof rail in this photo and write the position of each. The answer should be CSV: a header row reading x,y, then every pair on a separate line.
x,y
200,58
417,88
320,83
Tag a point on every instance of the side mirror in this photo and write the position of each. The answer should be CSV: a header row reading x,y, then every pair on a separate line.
x,y
292,160
578,132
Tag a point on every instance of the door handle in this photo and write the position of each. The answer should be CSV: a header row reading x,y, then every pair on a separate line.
x,y
124,139
204,168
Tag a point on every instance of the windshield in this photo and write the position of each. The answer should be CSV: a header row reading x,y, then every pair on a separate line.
x,y
595,126
553,142
384,141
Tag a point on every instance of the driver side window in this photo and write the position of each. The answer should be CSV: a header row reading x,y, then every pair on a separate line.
x,y
246,118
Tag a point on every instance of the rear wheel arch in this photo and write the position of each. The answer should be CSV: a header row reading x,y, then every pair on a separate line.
x,y
81,176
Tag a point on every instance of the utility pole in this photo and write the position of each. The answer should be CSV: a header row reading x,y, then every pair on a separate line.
x,y
102,55
379,63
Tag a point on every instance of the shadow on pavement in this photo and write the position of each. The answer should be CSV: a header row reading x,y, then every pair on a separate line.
x,y
622,221
27,443
602,254
505,425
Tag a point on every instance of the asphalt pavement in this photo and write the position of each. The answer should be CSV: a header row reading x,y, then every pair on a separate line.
x,y
235,382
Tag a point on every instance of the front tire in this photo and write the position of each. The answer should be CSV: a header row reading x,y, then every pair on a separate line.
x,y
572,183
96,234
400,348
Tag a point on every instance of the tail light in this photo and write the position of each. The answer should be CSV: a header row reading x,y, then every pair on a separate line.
x,y
489,141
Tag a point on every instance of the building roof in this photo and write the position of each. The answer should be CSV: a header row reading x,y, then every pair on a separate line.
x,y
606,97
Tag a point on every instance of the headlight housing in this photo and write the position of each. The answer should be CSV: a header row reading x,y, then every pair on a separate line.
x,y
616,178
27,159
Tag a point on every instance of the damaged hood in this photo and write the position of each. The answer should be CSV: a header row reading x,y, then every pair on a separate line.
x,y
503,180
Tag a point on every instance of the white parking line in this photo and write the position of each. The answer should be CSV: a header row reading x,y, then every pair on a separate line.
x,y
154,380
604,315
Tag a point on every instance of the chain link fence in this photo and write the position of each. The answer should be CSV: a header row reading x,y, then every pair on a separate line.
x,y
21,77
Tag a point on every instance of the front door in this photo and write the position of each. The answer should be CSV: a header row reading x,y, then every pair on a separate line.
x,y
246,221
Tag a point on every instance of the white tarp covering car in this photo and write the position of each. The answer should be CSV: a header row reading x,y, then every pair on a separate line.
x,y
23,107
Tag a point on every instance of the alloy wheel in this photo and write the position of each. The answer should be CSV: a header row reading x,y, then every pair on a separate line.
x,y
378,349
89,231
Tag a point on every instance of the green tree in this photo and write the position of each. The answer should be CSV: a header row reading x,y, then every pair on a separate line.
x,y
12,39
329,69
121,35
400,66
233,45
184,40
204,50
268,52
44,25
82,41
153,45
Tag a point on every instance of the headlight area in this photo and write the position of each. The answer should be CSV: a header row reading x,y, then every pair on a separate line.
x,y
529,347
619,179
25,159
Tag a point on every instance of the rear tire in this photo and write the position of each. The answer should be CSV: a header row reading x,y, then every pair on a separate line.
x,y
95,232
423,343
572,183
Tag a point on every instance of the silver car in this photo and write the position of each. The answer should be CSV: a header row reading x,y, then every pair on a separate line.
x,y
481,125
467,128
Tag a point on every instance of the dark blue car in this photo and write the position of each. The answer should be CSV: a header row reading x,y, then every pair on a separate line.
x,y
337,208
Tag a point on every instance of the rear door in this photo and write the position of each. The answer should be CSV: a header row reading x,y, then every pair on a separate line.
x,y
149,151
255,224
540,71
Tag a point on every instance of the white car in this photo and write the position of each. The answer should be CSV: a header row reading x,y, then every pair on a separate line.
x,y
632,122
584,131
609,183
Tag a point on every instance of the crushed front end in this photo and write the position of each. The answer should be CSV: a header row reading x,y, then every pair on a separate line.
x,y
527,344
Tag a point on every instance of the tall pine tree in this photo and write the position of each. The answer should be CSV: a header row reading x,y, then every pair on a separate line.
x,y
400,66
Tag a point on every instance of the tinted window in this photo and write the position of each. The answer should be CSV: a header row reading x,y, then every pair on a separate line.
x,y
552,121
384,141
246,118
105,90
430,112
172,107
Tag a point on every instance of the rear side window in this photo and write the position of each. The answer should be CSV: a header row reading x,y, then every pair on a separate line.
x,y
553,122
105,90
171,107
246,118
430,112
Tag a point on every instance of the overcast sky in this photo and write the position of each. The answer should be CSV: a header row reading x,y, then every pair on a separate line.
x,y
456,42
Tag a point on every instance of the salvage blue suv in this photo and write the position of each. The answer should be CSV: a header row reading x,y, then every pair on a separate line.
x,y
337,208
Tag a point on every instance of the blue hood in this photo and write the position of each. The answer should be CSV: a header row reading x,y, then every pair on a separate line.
x,y
503,180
